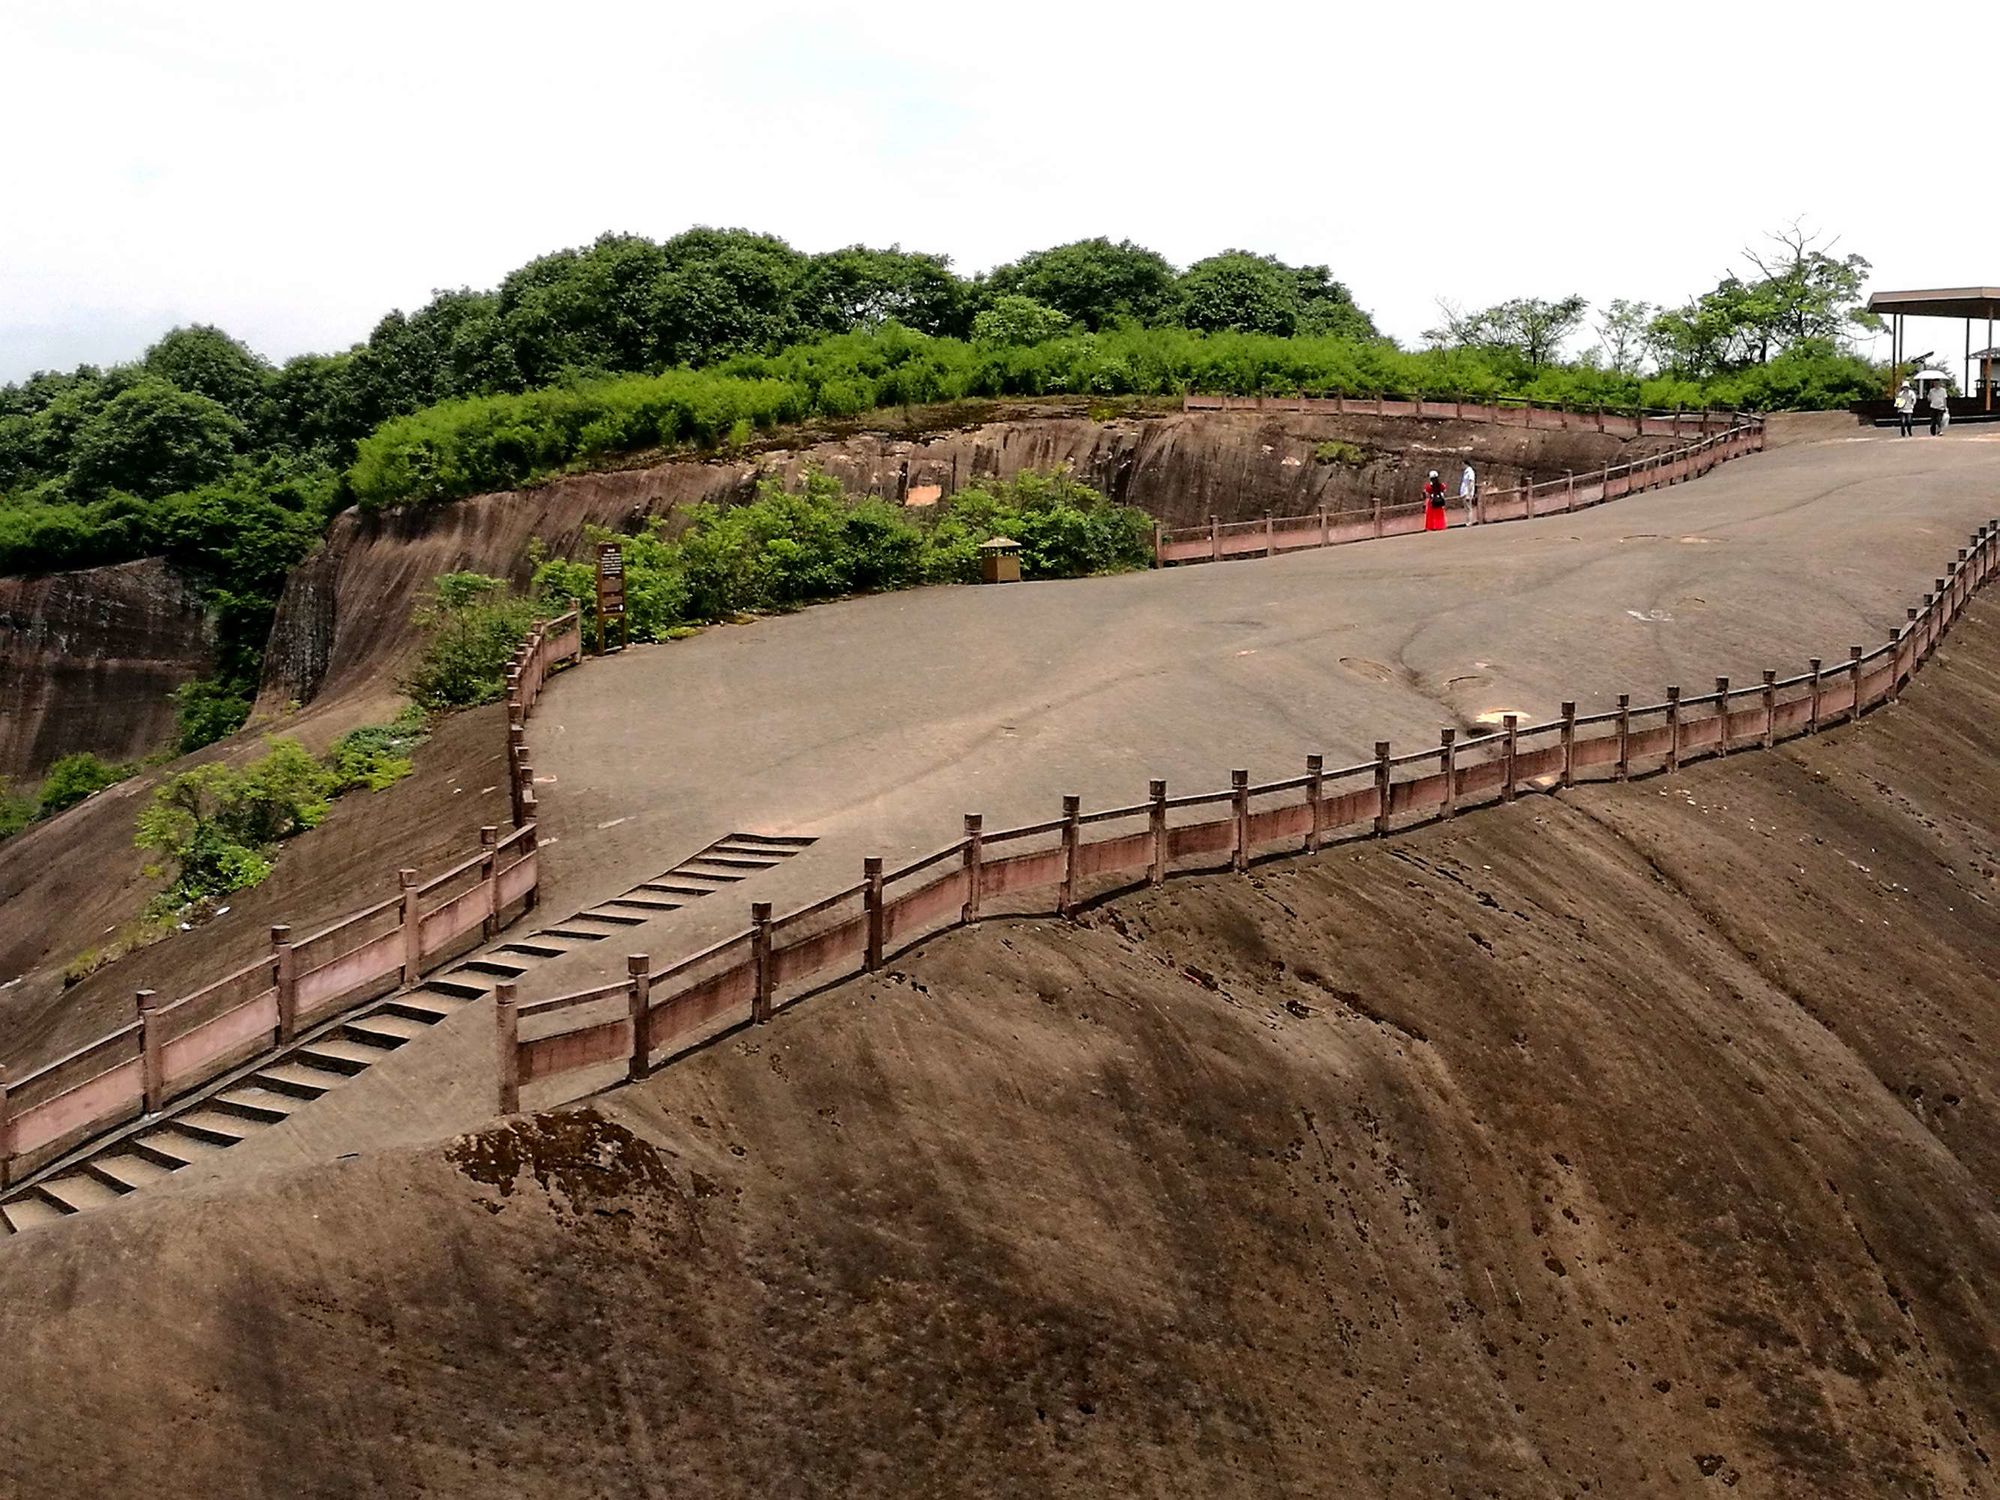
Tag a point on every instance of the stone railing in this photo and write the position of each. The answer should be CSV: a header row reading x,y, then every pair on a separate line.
x,y
1721,436
571,1044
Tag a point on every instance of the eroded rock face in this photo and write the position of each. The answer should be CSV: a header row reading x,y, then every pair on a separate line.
x,y
87,660
346,612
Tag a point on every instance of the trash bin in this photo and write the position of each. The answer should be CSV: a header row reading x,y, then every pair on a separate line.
x,y
1000,560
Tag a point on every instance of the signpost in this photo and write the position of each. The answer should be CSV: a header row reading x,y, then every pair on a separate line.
x,y
610,593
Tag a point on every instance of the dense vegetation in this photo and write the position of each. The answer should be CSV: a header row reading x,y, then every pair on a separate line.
x,y
66,782
781,551
205,453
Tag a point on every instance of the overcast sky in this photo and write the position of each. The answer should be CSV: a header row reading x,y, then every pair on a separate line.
x,y
293,171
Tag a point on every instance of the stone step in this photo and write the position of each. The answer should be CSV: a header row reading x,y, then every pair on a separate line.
x,y
216,1125
499,968
339,1055
394,1030
468,988
297,1079
538,947
616,918
30,1211
259,1106
790,843
127,1168
684,888
176,1142
575,934
645,903
80,1192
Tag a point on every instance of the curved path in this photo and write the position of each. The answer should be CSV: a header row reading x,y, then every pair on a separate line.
x,y
871,725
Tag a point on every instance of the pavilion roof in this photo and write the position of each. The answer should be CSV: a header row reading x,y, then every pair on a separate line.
x,y
1940,302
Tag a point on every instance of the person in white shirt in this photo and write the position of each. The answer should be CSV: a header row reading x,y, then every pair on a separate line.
x,y
1468,491
1940,408
1906,406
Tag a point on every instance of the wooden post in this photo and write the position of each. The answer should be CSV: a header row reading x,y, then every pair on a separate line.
x,y
151,1069
1812,712
1770,734
1377,504
1270,535
638,1010
1325,528
1159,544
1604,484
1673,729
760,961
413,927
1215,538
1623,770
1569,744
1510,738
975,851
1448,768
1569,489
489,878
1239,801
1315,801
284,978
1854,654
1156,824
1381,787
1722,712
507,1025
1072,838
871,900
1528,497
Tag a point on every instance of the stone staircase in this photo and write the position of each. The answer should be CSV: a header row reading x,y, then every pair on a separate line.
x,y
273,1088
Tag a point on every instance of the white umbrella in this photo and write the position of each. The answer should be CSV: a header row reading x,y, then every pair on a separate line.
x,y
1930,375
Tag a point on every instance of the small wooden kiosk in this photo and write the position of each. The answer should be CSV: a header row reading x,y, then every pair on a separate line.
x,y
1973,304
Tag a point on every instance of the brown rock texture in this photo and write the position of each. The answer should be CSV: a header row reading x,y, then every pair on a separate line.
x,y
1633,1141
88,659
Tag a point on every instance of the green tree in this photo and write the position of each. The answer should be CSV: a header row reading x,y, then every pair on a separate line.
x,y
1018,320
203,359
1240,291
153,439
214,824
1094,281
1622,334
473,623
1531,329
859,288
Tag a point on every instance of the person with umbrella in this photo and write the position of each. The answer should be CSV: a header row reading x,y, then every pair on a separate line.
x,y
1940,400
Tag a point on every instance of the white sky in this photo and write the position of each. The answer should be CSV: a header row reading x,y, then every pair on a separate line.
x,y
291,171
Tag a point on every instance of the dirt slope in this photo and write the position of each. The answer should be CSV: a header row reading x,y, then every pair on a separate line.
x,y
1633,1142
345,611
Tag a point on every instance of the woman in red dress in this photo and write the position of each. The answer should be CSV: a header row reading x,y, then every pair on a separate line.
x,y
1434,503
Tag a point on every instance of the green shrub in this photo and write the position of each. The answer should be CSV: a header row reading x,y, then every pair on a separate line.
x,y
214,825
74,778
1339,453
474,623
377,755
16,811
789,548
206,710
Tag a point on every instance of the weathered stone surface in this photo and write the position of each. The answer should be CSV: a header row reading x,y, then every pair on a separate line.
x,y
87,661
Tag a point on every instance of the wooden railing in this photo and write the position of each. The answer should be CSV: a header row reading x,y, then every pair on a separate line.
x,y
551,644
1723,436
637,1023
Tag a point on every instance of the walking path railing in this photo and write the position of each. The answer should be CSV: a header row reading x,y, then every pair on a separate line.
x,y
1719,437
651,1015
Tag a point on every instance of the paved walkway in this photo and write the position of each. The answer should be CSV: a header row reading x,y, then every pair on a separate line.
x,y
873,724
